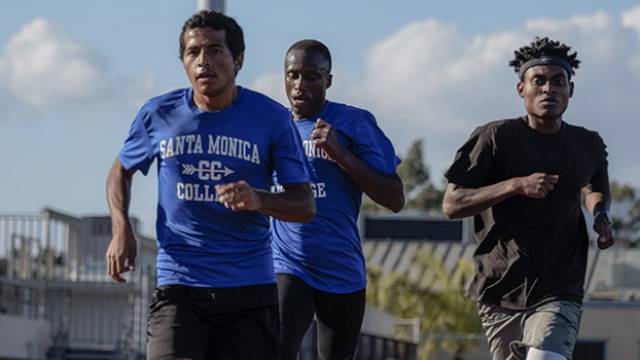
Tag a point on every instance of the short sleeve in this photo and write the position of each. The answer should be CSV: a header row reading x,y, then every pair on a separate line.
x,y
289,160
372,146
474,161
137,151
600,179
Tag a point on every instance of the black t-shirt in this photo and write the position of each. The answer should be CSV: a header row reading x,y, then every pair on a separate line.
x,y
531,250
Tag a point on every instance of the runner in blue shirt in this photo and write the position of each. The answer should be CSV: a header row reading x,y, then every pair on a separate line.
x,y
320,266
216,146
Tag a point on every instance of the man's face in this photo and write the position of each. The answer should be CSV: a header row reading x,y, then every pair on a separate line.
x,y
307,79
208,62
546,90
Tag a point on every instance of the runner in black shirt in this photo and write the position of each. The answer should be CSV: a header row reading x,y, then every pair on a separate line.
x,y
522,178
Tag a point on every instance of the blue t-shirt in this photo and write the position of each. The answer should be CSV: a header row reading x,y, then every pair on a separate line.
x,y
201,243
326,253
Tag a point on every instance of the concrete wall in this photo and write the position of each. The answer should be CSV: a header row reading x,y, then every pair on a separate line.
x,y
615,323
22,338
377,322
96,314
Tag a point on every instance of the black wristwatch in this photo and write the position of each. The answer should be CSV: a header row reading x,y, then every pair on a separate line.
x,y
601,213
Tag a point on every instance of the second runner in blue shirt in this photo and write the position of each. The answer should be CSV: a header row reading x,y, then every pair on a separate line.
x,y
320,265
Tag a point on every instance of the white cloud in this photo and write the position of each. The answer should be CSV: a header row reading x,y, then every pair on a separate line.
x,y
3,95
599,20
430,81
42,66
416,72
631,18
271,84
139,90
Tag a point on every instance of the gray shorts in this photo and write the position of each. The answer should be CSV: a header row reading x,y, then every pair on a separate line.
x,y
552,326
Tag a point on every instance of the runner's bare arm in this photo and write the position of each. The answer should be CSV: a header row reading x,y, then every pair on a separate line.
x,y
384,190
460,202
123,242
295,203
596,201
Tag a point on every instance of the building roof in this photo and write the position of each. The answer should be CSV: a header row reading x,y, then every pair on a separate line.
x,y
611,274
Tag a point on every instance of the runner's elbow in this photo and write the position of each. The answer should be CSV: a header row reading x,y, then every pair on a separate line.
x,y
398,203
451,210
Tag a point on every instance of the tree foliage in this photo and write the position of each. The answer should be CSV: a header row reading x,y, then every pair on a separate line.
x,y
412,170
625,214
435,298
420,192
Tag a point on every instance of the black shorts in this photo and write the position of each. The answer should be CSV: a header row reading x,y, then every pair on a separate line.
x,y
202,323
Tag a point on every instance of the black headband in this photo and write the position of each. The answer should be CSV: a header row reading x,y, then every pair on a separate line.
x,y
545,60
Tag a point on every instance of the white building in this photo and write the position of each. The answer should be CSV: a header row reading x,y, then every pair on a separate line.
x,y
56,299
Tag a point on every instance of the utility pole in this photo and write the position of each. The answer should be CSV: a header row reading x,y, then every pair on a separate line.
x,y
215,5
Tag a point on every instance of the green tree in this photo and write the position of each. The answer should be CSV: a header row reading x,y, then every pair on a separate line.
x,y
413,171
627,224
436,299
622,192
420,192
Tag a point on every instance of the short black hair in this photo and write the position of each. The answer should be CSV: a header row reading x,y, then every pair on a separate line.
x,y
217,21
544,47
313,48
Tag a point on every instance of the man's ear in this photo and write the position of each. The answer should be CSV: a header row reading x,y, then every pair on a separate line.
x,y
571,87
520,89
238,61
329,80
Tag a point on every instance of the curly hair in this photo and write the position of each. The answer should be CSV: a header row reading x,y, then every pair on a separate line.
x,y
216,21
545,47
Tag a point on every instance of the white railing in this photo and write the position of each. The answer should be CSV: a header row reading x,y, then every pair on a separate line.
x,y
52,267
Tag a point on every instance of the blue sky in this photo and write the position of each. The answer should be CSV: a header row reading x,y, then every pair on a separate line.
x,y
73,73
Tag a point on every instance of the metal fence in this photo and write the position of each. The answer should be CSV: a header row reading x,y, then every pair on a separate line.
x,y
52,267
375,347
370,347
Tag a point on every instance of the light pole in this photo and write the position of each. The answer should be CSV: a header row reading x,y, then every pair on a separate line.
x,y
215,5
